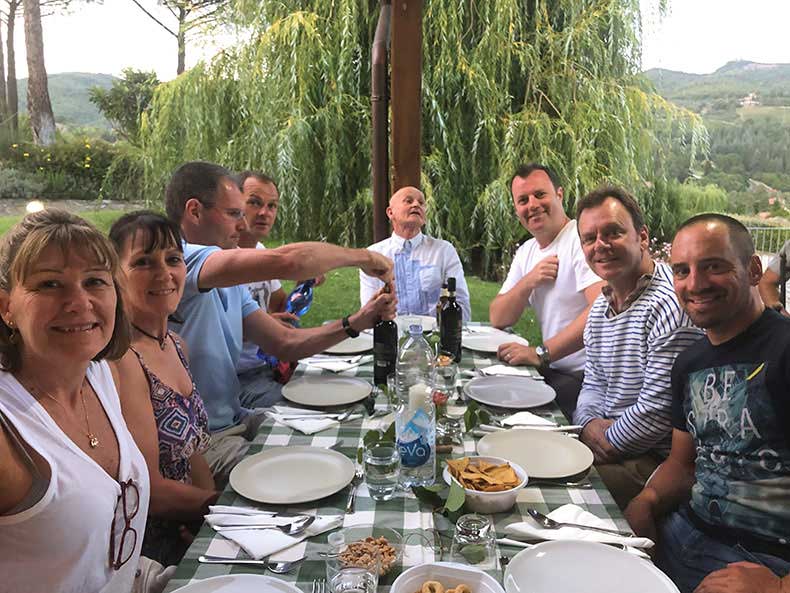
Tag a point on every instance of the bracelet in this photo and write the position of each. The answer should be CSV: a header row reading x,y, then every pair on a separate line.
x,y
352,333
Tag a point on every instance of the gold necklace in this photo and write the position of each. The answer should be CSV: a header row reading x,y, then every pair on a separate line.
x,y
93,440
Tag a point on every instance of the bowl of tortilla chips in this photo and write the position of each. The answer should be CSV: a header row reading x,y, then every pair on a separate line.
x,y
491,483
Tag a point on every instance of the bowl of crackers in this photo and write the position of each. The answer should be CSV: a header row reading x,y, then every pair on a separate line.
x,y
491,484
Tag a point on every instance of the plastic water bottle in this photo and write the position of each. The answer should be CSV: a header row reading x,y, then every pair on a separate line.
x,y
300,299
415,418
298,303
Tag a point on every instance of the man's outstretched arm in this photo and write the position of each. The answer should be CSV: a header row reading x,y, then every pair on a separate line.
x,y
295,261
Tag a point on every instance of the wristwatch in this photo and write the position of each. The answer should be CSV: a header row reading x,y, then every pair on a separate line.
x,y
352,333
543,354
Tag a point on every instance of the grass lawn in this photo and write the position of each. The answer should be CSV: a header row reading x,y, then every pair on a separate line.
x,y
339,295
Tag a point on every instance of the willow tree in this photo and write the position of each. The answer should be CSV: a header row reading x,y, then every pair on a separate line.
x,y
505,81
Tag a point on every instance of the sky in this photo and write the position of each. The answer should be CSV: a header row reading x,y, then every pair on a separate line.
x,y
697,36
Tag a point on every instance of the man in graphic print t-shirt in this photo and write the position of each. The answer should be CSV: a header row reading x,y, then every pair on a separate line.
x,y
731,416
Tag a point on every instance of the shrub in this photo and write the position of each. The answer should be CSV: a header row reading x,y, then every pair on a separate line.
x,y
21,185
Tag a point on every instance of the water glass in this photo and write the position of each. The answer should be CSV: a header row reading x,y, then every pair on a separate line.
x,y
353,568
473,542
448,415
382,470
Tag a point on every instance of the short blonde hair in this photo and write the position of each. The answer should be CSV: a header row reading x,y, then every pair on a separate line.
x,y
21,248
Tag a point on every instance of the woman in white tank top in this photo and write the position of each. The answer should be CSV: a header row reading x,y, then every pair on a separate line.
x,y
74,493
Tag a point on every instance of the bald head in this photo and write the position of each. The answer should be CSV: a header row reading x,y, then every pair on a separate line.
x,y
406,211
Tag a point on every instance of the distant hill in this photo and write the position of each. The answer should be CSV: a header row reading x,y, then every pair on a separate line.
x,y
70,99
748,139
722,89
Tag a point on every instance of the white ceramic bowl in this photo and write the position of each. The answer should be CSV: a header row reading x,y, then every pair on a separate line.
x,y
490,502
448,574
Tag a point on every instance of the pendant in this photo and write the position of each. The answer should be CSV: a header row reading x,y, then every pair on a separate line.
x,y
93,441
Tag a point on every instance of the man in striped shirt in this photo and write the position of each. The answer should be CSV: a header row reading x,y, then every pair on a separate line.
x,y
634,331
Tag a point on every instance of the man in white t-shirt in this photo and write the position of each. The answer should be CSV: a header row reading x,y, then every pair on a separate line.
x,y
261,201
549,274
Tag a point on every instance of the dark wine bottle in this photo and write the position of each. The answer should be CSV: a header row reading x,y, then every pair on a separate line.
x,y
385,350
440,305
452,323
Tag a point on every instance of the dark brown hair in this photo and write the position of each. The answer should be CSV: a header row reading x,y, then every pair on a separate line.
x,y
600,195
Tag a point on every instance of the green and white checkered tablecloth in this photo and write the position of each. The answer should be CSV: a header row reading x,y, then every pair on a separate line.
x,y
405,513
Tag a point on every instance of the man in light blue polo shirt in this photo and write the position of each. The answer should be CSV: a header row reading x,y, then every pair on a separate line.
x,y
217,312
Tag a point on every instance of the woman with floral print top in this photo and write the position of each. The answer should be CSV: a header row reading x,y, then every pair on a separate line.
x,y
160,402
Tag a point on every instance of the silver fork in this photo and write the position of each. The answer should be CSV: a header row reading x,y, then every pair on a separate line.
x,y
319,586
352,493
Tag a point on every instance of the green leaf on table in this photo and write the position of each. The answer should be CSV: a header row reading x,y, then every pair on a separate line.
x,y
438,487
455,498
470,416
483,416
430,498
389,434
371,438
474,553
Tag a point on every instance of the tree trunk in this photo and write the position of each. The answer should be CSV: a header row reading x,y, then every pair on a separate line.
x,y
39,108
181,40
12,95
3,104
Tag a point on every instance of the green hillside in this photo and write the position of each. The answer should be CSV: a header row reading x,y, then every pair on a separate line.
x,y
70,99
747,141
722,89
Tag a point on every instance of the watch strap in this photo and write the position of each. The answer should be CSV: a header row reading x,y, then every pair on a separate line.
x,y
352,333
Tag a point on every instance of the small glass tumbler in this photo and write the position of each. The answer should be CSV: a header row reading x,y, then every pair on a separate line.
x,y
353,568
448,415
473,542
382,470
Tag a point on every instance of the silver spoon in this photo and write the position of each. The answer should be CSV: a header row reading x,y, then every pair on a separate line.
x,y
548,523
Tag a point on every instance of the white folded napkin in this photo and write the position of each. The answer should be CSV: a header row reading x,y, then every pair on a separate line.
x,y
336,366
501,369
310,425
571,513
527,419
260,543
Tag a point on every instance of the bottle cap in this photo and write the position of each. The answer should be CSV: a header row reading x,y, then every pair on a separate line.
x,y
415,328
451,284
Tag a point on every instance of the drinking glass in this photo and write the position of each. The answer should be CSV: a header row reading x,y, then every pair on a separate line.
x,y
473,542
353,568
448,415
382,469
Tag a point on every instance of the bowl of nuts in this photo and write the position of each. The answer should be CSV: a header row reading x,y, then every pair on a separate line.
x,y
361,541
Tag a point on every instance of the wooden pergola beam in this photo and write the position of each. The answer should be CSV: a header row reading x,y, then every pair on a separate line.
x,y
406,92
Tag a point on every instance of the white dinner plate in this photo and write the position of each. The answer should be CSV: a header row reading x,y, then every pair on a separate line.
x,y
362,343
583,567
326,390
404,321
448,574
239,583
542,454
509,392
291,475
490,342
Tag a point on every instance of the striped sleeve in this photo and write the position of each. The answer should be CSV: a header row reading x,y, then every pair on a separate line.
x,y
647,423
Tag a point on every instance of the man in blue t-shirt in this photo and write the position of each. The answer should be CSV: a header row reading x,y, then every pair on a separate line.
x,y
723,494
217,313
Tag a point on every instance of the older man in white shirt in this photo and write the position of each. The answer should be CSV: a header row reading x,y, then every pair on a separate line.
x,y
422,262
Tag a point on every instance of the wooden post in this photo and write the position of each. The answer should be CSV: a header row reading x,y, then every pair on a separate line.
x,y
406,92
